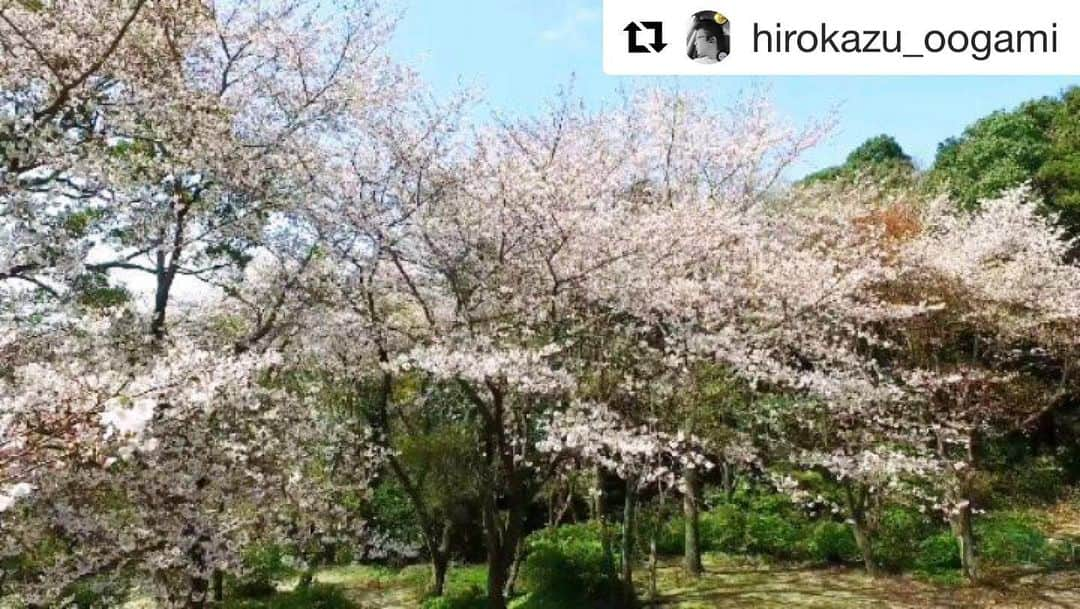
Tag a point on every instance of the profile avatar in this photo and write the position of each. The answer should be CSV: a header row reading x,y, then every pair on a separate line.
x,y
709,38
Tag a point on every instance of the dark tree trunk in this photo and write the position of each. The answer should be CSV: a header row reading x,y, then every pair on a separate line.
x,y
499,554
219,585
727,471
198,588
692,518
629,528
598,514
440,560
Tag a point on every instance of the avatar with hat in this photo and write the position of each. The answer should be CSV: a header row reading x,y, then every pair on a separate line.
x,y
709,39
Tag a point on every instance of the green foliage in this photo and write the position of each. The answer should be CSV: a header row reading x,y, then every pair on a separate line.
x,y
98,593
895,542
94,291
77,224
473,598
1009,538
1037,142
996,152
392,513
877,150
1058,179
568,564
671,539
938,553
880,157
774,535
443,463
1062,554
318,596
263,564
723,529
1041,480
834,543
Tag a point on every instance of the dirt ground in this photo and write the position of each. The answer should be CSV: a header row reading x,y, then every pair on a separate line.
x,y
727,586
730,584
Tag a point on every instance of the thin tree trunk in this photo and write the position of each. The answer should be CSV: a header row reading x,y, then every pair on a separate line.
x,y
728,474
219,585
692,520
306,578
515,566
966,538
198,588
629,527
862,539
962,520
598,515
496,577
653,596
198,585
440,560
857,508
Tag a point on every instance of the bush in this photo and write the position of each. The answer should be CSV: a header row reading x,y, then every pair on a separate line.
x,y
672,538
1041,480
472,598
723,529
567,563
318,596
392,515
98,594
938,553
262,566
774,535
896,540
1008,538
833,542
1062,553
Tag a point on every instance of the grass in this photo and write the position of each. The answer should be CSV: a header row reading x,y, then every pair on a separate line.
x,y
742,583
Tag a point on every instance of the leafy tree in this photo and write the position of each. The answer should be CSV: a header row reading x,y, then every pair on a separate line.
x,y
880,156
999,151
1058,179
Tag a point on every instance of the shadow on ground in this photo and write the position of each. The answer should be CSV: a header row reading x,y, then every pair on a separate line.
x,y
728,586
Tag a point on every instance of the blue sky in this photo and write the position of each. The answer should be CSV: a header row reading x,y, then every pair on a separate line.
x,y
521,51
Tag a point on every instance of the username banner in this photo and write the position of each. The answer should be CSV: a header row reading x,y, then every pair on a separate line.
x,y
841,37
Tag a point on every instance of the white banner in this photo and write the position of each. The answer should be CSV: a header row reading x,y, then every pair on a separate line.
x,y
841,37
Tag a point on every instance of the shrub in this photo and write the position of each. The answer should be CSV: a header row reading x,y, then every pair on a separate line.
x,y
392,515
774,535
262,565
567,563
1062,553
772,504
1042,480
938,553
896,540
1011,538
472,598
98,594
833,542
318,596
723,529
672,538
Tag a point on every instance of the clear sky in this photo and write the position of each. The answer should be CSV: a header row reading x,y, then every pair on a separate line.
x,y
521,51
